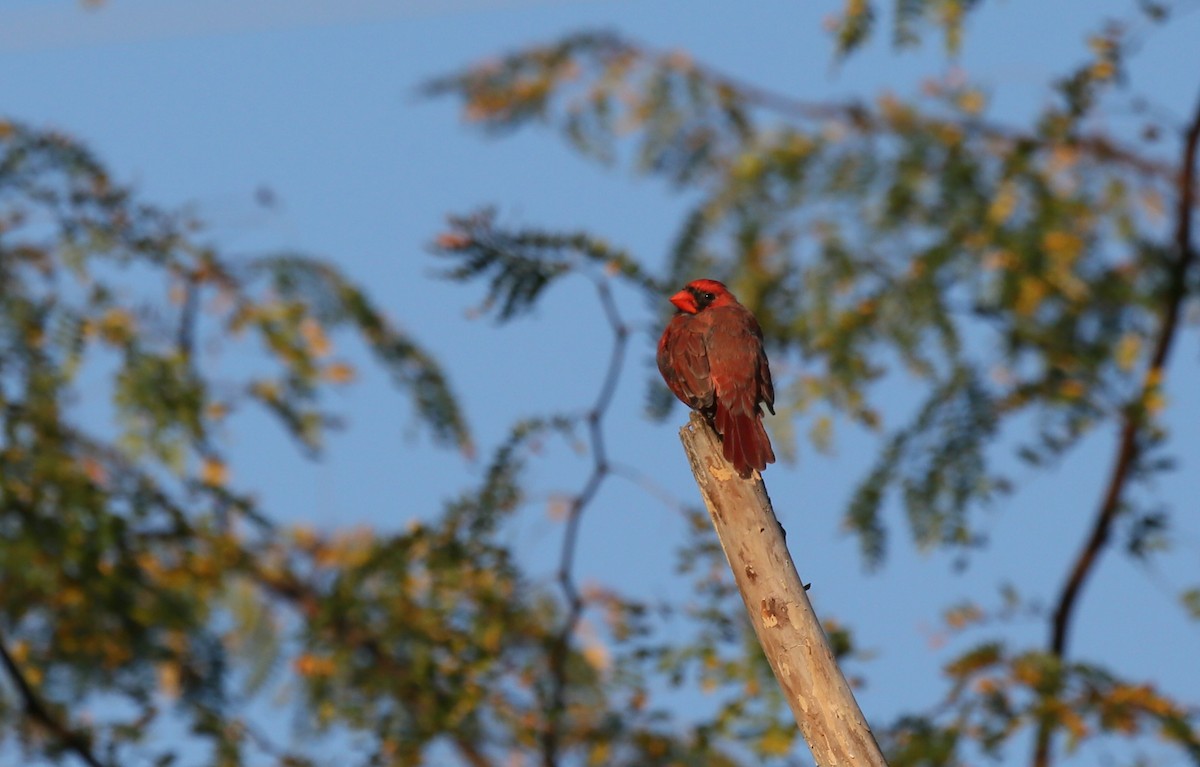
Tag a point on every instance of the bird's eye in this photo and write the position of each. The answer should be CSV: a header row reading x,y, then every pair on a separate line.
x,y
708,297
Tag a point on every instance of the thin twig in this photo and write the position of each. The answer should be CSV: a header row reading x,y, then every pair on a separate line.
x,y
560,649
185,336
651,487
36,709
1128,448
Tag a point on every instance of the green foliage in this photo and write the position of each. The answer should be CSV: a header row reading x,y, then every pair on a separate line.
x,y
520,265
940,467
996,694
1191,601
856,22
1026,278
327,298
120,552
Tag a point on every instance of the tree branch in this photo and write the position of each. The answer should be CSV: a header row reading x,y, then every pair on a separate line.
x,y
1128,448
1096,145
471,752
560,649
788,630
74,741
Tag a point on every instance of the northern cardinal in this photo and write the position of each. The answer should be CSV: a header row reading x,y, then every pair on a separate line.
x,y
711,356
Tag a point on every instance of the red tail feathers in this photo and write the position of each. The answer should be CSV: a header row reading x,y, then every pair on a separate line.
x,y
744,441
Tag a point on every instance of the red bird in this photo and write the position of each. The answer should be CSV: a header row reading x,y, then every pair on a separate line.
x,y
711,356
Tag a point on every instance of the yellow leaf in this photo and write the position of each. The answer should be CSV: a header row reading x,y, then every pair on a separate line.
x,y
1062,247
655,746
214,472
1103,70
972,102
558,505
1071,389
679,59
452,241
1077,729
1030,292
894,110
1153,398
1027,672
1100,45
776,741
597,656
975,241
1062,158
1152,201
1003,204
1126,353
169,680
304,536
267,390
216,411
997,259
1154,378
748,166
821,433
492,637
340,373
314,336
599,753
116,325
94,471
350,548
986,685
949,134
870,418
311,665
115,653
963,615
638,701
326,711
1154,401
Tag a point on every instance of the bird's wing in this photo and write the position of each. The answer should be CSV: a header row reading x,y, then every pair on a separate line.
x,y
737,361
766,387
683,360
738,364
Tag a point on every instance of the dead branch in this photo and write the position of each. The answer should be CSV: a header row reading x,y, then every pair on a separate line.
x,y
787,628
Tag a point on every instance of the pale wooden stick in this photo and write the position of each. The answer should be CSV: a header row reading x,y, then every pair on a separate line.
x,y
788,630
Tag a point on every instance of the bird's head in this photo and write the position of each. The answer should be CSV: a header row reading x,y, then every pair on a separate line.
x,y
698,295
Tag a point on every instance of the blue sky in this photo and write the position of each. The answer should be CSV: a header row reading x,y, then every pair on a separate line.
x,y
202,105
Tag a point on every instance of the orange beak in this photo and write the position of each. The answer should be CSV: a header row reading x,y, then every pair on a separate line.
x,y
684,301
